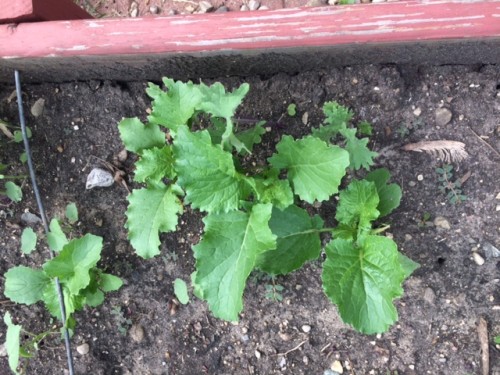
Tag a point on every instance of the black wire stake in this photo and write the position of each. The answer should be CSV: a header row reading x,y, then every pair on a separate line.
x,y
43,215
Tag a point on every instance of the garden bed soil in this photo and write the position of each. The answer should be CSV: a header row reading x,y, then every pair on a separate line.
x,y
443,301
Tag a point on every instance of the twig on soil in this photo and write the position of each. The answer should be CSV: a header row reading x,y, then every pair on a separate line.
x,y
482,332
486,143
325,347
293,349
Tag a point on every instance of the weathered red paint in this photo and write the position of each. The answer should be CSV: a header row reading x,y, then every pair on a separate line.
x,y
322,26
16,11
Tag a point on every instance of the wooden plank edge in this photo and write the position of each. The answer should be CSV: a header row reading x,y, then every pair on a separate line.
x,y
19,11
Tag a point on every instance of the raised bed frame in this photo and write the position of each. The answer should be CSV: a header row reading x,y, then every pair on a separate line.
x,y
244,43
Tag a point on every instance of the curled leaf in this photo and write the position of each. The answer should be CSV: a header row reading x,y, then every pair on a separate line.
x,y
448,151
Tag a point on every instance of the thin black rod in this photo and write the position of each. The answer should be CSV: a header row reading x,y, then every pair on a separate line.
x,y
43,215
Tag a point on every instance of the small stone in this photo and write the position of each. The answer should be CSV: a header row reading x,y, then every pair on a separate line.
x,y
222,9
420,177
315,3
205,7
136,332
30,219
282,362
244,8
257,354
83,349
263,7
330,372
412,183
305,118
305,359
442,223
478,259
284,336
306,328
171,12
134,13
3,350
337,367
253,5
99,178
498,195
37,107
442,116
154,9
332,2
408,237
122,155
417,112
429,296
490,251
60,149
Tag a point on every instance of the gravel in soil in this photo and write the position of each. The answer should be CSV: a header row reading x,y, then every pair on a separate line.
x,y
142,330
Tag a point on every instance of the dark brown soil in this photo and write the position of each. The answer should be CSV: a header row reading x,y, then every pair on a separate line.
x,y
436,332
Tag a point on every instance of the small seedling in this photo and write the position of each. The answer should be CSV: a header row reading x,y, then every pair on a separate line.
x,y
291,110
123,324
496,340
273,291
452,189
365,128
181,291
422,222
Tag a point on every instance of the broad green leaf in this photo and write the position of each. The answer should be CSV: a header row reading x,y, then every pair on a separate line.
x,y
73,264
175,106
408,265
25,285
13,191
95,298
137,136
359,153
298,241
12,342
151,211
362,279
154,165
72,213
56,237
358,205
109,283
389,194
314,168
220,103
28,240
206,173
336,119
181,291
227,254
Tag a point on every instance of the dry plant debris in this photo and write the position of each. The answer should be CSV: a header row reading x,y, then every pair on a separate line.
x,y
448,151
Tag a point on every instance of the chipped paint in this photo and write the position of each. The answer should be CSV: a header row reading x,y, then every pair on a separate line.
x,y
94,25
74,48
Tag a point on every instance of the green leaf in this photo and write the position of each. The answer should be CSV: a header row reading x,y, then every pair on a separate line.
x,y
291,109
151,211
359,153
181,291
73,264
154,165
496,340
18,135
23,158
389,194
220,103
337,118
227,254
362,279
72,302
358,205
72,213
408,265
12,342
28,240
94,299
275,191
13,191
206,173
314,168
25,285
298,241
56,237
137,136
109,283
252,136
176,106
365,128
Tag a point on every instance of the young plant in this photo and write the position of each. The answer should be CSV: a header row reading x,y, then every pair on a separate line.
x,y
254,219
452,189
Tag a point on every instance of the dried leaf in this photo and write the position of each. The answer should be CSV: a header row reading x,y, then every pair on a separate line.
x,y
5,130
448,151
482,331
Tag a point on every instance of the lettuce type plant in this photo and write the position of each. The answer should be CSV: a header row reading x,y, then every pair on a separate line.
x,y
192,152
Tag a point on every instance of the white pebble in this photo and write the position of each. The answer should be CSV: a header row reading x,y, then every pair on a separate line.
x,y
420,177
337,367
257,354
478,259
442,223
83,349
99,178
306,328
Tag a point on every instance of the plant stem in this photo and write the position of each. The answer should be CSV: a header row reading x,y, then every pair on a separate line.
x,y
11,177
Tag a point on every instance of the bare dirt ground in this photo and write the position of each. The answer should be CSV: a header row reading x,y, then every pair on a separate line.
x,y
443,301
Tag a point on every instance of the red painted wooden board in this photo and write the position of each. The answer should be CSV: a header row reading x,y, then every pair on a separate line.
x,y
363,23
448,30
16,11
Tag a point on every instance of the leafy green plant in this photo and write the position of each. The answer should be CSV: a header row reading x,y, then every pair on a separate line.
x,y
255,219
273,291
123,323
291,110
452,189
